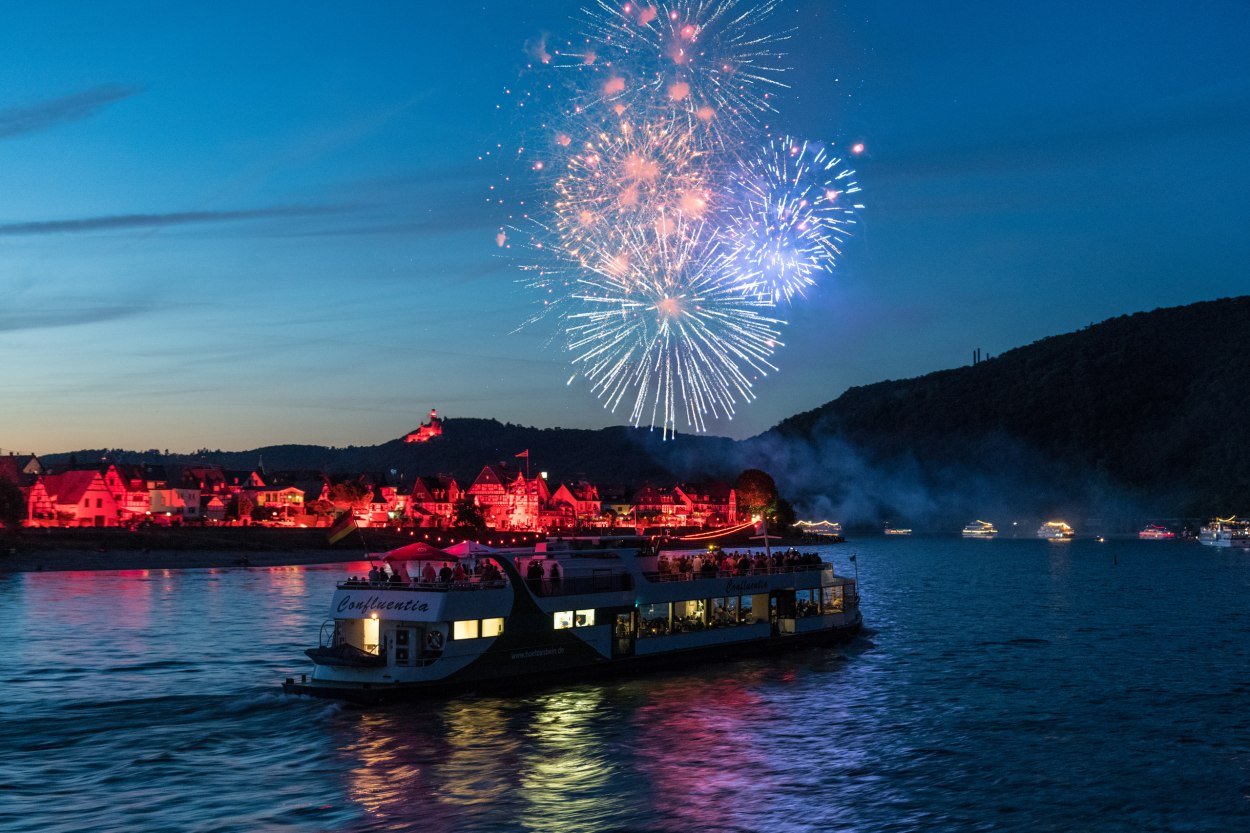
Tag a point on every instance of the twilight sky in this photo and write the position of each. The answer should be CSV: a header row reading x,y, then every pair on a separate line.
x,y
231,225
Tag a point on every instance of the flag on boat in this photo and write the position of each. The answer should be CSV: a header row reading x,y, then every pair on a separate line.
x,y
525,454
344,526
852,557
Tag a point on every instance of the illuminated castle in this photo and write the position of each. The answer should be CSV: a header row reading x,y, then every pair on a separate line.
x,y
427,431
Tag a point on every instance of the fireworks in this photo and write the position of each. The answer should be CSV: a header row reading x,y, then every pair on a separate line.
x,y
659,330
793,207
713,63
662,244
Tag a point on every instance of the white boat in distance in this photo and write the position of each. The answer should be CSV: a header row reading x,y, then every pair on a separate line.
x,y
1055,531
1225,532
980,529
890,530
472,617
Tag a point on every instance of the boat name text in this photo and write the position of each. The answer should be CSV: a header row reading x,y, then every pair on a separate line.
x,y
347,603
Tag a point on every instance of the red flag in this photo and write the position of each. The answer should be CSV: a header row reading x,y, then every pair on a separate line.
x,y
525,454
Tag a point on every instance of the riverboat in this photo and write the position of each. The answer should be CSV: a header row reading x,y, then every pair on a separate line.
x,y
1055,531
474,617
980,529
893,530
1155,532
1225,532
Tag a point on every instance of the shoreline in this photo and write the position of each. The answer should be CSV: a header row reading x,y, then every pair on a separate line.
x,y
77,560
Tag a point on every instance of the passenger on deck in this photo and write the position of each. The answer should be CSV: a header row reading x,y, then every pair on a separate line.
x,y
459,574
444,575
428,574
555,576
396,578
534,573
374,573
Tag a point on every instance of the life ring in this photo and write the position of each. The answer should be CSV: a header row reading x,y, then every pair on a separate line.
x,y
434,640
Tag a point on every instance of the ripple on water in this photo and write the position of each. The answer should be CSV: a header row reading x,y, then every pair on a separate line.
x,y
1000,685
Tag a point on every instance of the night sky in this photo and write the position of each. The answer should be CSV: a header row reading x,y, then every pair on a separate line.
x,y
233,225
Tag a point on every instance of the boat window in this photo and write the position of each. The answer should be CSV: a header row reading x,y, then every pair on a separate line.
x,y
584,618
464,629
492,627
832,602
653,619
744,610
563,619
807,603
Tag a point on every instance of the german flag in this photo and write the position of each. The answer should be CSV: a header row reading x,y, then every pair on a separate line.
x,y
343,526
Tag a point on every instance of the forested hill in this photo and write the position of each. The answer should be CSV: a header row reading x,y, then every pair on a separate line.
x,y
1149,411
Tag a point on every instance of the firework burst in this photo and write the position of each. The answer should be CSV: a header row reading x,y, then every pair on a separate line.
x,y
712,63
792,208
657,329
634,176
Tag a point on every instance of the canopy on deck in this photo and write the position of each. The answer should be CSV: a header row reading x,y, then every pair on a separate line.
x,y
468,549
419,551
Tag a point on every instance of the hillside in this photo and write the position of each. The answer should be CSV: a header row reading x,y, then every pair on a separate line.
x,y
1144,413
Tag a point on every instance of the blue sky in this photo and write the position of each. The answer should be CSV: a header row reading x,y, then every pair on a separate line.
x,y
242,224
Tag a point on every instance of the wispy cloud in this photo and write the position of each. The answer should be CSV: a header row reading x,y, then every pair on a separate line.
x,y
24,317
45,115
114,222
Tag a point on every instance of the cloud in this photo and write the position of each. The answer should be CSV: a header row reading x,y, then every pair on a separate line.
x,y
45,115
24,317
116,222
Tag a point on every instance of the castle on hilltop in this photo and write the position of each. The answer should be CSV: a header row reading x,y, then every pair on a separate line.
x,y
427,430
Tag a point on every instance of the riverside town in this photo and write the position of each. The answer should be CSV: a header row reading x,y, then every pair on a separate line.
x,y
503,497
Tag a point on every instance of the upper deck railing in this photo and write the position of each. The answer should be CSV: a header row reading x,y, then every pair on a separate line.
x,y
472,583
707,572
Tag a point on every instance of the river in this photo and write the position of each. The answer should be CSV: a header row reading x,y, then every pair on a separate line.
x,y
1000,685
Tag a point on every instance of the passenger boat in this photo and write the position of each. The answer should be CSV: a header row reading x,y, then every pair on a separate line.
x,y
1225,532
891,530
1154,532
473,617
1055,531
980,529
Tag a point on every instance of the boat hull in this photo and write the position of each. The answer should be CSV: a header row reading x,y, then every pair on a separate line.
x,y
368,694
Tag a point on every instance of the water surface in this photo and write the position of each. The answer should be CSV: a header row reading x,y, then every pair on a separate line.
x,y
1002,685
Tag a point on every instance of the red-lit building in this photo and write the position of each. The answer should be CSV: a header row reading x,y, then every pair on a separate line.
x,y
81,498
427,430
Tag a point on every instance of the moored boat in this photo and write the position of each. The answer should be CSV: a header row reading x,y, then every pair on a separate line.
x,y
1155,532
1055,531
473,617
1225,532
980,529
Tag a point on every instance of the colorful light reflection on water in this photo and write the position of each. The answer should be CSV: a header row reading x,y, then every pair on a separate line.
x,y
1005,685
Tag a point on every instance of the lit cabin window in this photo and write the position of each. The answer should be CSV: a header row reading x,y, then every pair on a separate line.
x,y
466,629
584,618
492,627
563,619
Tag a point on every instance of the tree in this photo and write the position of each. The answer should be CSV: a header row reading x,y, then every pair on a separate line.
x,y
782,516
469,515
351,493
756,491
12,505
242,507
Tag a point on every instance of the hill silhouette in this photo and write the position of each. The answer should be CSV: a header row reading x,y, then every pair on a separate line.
x,y
1140,416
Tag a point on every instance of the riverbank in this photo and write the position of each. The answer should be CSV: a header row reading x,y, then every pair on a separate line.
x,y
32,550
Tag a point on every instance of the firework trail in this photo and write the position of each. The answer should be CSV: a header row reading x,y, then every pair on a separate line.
x,y
793,208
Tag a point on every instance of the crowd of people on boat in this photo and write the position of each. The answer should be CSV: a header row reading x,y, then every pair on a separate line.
x,y
715,563
460,573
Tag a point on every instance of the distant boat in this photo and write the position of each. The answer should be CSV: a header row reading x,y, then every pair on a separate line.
x,y
980,529
822,529
1154,532
1055,531
889,530
1225,532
